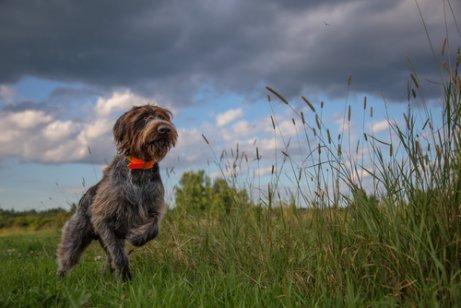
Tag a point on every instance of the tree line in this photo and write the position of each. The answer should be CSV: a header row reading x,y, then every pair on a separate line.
x,y
195,193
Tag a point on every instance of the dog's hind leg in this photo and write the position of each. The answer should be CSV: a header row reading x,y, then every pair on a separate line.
x,y
75,238
77,234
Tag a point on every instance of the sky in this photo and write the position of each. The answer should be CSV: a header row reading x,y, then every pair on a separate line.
x,y
68,69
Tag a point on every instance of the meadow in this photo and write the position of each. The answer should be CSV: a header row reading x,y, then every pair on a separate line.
x,y
252,257
333,244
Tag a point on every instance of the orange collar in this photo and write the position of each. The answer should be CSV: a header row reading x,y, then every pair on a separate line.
x,y
136,163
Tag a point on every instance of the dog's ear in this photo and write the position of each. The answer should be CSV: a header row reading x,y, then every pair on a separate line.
x,y
123,128
118,129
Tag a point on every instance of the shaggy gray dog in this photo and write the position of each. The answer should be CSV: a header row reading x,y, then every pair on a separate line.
x,y
127,204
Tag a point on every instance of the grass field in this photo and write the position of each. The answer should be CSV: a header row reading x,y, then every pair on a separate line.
x,y
397,245
253,257
193,263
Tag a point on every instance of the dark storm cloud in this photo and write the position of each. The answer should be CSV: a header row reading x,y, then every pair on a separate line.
x,y
45,106
25,105
69,94
172,48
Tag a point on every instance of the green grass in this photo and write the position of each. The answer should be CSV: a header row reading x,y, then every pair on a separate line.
x,y
193,264
252,257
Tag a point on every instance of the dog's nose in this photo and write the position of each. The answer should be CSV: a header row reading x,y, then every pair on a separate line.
x,y
163,129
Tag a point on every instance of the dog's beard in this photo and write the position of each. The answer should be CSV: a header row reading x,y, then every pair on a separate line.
x,y
156,150
155,147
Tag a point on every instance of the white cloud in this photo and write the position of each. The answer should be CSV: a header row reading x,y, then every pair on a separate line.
x,y
228,116
14,126
28,118
361,173
59,130
190,149
40,136
287,128
95,129
65,152
380,126
8,135
37,136
190,137
7,93
18,130
117,102
242,128
267,144
264,171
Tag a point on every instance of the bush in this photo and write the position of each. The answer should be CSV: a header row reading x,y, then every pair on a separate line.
x,y
33,220
196,194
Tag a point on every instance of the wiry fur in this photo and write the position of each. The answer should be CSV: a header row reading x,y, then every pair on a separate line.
x,y
126,204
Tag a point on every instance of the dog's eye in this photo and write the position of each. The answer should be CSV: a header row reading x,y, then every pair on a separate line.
x,y
163,117
148,118
142,121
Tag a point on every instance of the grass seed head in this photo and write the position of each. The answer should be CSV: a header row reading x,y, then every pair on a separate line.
x,y
444,46
206,140
308,103
415,81
418,147
279,96
317,120
273,123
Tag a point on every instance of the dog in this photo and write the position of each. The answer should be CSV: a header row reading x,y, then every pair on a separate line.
x,y
128,202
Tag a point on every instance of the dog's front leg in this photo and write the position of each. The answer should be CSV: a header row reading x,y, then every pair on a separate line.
x,y
116,249
144,233
108,266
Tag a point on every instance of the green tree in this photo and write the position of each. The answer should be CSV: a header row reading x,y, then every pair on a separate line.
x,y
194,191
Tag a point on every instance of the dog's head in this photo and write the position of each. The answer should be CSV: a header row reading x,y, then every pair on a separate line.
x,y
145,132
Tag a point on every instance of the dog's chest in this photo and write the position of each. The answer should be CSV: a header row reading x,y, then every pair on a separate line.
x,y
140,195
144,198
